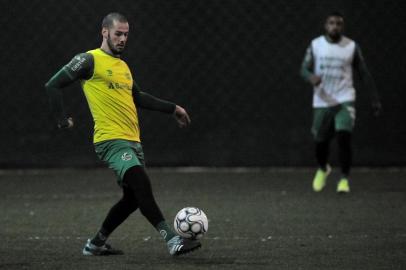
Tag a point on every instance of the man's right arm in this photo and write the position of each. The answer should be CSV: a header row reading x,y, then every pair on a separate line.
x,y
79,68
307,67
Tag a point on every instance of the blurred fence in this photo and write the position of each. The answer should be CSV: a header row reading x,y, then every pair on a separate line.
x,y
232,64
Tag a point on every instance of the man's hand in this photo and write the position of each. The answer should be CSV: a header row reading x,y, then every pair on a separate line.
x,y
181,116
315,80
376,107
66,123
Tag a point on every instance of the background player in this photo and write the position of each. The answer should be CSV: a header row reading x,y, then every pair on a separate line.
x,y
328,65
113,99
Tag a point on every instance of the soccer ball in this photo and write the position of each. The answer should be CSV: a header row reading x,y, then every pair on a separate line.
x,y
191,222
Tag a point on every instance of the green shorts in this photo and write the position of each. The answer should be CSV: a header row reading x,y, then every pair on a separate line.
x,y
120,155
326,121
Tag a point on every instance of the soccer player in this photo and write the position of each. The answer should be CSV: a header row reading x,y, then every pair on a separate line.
x,y
328,65
113,99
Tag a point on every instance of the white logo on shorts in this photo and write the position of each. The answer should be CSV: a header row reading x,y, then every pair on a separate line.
x,y
126,156
351,110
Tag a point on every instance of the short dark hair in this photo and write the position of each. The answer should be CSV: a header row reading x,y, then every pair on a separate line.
x,y
109,19
335,14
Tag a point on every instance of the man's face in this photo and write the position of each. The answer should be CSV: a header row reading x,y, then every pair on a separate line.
x,y
334,27
116,37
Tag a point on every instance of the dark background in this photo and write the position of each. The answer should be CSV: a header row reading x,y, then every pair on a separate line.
x,y
232,64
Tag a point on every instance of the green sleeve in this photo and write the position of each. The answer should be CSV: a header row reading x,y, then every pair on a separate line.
x,y
361,68
79,68
306,69
146,101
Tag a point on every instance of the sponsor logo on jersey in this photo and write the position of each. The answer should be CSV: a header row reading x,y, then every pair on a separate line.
x,y
119,86
78,60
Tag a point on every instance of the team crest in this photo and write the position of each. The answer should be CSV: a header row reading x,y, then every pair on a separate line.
x,y
126,156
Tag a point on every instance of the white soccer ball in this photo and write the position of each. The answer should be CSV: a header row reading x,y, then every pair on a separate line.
x,y
191,222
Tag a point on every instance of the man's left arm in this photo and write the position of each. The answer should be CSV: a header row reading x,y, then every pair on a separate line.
x,y
146,101
362,69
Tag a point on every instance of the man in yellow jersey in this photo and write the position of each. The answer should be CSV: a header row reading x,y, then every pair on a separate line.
x,y
113,99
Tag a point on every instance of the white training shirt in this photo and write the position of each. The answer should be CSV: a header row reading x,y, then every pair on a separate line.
x,y
333,63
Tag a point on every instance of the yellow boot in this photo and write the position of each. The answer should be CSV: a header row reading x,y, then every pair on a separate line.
x,y
319,181
343,186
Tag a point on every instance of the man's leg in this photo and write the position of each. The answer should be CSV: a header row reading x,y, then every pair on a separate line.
x,y
119,155
117,214
344,152
322,153
138,181
344,120
323,130
345,159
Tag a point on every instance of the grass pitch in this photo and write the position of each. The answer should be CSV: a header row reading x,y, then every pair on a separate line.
x,y
261,219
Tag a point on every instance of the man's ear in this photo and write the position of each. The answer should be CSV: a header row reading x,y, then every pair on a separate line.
x,y
105,32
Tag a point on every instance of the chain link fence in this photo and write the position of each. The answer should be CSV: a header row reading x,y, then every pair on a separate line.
x,y
232,64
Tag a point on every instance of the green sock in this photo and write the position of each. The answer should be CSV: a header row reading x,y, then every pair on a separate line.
x,y
165,231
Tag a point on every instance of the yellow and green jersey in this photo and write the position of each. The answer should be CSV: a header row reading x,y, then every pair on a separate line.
x,y
109,95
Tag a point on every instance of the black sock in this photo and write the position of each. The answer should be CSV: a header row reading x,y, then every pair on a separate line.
x,y
322,152
344,151
117,214
138,181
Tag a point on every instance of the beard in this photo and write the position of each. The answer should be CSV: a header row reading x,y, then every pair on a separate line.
x,y
336,36
114,49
